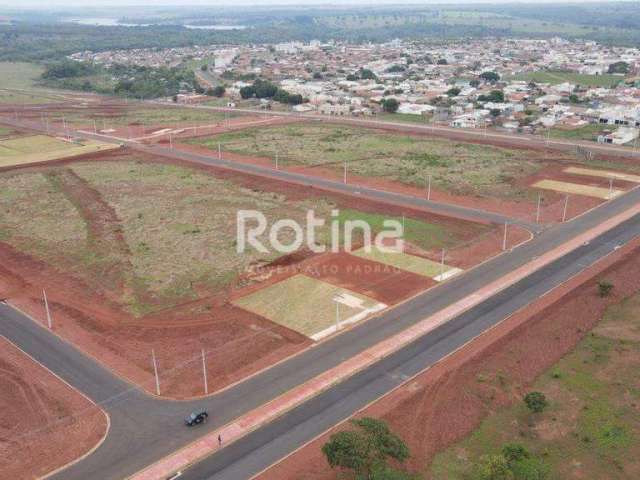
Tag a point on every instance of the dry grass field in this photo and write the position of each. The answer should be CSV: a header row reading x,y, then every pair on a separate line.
x,y
458,167
23,150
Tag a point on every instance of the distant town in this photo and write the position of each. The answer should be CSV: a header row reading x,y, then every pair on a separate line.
x,y
570,88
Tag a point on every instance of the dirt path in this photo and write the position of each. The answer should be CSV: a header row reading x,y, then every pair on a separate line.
x,y
105,237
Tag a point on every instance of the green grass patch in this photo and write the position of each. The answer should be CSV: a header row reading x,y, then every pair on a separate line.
x,y
302,304
463,168
591,428
555,77
404,261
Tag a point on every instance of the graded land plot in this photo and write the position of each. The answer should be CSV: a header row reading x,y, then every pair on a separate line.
x,y
461,168
384,283
136,253
23,150
603,174
116,117
578,189
44,423
308,306
411,263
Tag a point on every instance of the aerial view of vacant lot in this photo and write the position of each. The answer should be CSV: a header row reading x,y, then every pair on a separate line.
x,y
460,167
44,423
473,174
146,252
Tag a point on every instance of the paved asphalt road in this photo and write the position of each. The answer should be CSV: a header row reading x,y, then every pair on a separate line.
x,y
314,182
524,140
267,445
145,429
446,209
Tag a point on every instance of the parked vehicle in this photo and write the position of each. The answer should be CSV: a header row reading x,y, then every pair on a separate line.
x,y
196,418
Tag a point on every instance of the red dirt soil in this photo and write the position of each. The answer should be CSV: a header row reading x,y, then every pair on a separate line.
x,y
88,318
386,284
44,423
88,315
447,402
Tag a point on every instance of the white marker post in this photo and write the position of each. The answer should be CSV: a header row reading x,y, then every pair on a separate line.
x,y
564,210
429,187
504,238
442,265
345,172
204,372
95,127
610,187
276,160
46,306
171,141
155,371
538,208
219,151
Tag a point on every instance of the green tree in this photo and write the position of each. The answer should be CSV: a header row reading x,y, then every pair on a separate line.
x,y
495,96
619,67
247,92
366,450
536,401
491,77
366,74
453,92
204,67
390,105
604,288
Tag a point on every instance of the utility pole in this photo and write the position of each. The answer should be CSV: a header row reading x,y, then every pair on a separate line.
x,y
337,314
442,265
564,210
219,151
345,172
429,187
46,306
538,208
610,187
504,238
155,371
204,372
276,160
170,141
95,127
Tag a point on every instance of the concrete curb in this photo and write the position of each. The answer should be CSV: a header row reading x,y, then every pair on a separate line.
x,y
251,421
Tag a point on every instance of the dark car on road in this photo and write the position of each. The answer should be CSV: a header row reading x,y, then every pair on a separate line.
x,y
196,418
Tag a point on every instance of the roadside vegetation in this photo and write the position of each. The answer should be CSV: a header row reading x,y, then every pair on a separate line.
x,y
580,419
366,452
